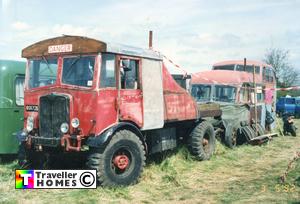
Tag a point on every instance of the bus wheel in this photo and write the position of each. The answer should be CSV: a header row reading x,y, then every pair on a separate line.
x,y
202,141
230,137
121,162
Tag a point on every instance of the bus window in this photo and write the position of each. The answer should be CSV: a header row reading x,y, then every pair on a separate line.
x,y
107,75
248,68
268,74
19,85
244,94
224,67
260,97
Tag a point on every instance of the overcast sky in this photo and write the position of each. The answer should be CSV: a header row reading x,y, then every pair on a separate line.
x,y
194,34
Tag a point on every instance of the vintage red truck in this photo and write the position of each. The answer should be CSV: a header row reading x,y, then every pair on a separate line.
x,y
117,102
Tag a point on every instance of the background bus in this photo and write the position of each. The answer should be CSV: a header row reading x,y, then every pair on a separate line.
x,y
12,74
264,73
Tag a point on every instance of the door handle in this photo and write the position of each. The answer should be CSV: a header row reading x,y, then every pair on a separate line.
x,y
16,111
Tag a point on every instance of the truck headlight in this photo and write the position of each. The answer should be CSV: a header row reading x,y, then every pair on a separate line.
x,y
75,122
64,128
30,122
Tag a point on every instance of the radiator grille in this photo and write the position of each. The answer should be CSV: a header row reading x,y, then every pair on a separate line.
x,y
54,110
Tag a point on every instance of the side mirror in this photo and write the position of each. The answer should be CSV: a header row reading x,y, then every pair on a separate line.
x,y
125,64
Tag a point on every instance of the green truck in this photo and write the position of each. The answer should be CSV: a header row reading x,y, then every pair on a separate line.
x,y
12,77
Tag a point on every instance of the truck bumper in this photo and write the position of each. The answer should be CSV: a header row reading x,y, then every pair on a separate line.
x,y
69,142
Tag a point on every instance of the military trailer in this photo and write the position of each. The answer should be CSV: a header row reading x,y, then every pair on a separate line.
x,y
120,103
12,76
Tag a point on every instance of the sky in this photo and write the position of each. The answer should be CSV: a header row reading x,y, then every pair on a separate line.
x,y
193,33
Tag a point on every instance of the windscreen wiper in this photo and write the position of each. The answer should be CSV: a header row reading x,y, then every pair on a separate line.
x,y
74,62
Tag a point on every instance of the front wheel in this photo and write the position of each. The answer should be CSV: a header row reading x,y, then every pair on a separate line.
x,y
230,137
202,141
121,162
30,159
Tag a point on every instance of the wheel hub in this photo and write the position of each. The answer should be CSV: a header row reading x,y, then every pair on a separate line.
x,y
121,161
204,142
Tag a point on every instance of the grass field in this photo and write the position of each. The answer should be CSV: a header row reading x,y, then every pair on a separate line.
x,y
247,174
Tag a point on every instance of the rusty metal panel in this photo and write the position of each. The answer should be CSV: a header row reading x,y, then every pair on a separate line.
x,y
209,110
131,106
179,104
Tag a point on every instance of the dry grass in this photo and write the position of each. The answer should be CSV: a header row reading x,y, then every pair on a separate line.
x,y
247,174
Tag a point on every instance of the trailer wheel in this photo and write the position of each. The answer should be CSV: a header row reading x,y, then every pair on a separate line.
x,y
202,141
230,137
260,129
121,162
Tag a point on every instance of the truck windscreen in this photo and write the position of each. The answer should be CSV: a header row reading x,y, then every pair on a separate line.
x,y
78,70
224,93
43,72
201,92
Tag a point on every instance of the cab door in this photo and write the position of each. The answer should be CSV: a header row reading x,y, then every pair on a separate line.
x,y
130,94
108,93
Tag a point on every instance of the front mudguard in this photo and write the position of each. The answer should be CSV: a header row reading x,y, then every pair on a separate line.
x,y
101,140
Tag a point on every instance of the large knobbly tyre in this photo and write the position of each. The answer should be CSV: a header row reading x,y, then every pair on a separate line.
x,y
248,133
122,161
202,141
230,137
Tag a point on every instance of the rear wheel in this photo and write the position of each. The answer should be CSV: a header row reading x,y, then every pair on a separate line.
x,y
202,141
248,133
121,162
260,130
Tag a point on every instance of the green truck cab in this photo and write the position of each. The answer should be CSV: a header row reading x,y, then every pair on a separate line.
x,y
12,77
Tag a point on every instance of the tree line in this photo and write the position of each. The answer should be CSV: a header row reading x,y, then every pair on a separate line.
x,y
286,73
